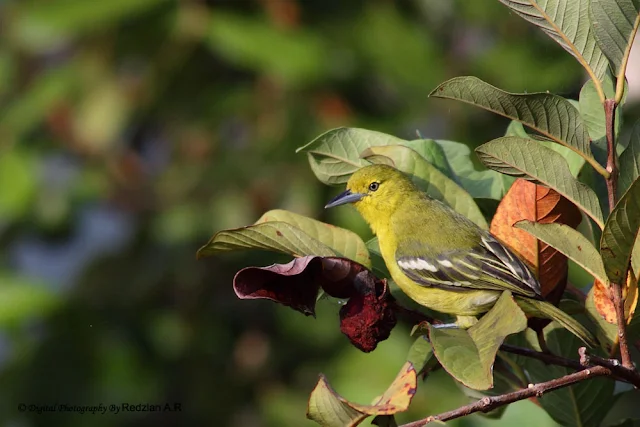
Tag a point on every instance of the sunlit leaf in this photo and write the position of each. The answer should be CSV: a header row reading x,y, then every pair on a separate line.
x,y
620,233
606,332
567,22
328,408
428,178
527,159
571,243
468,355
550,115
478,183
420,354
614,23
343,242
583,404
604,305
630,161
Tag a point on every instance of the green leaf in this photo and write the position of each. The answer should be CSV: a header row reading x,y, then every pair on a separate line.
x,y
527,159
569,242
574,160
292,234
22,300
328,408
584,404
551,115
420,354
614,24
620,233
567,22
271,236
434,153
468,355
592,110
485,183
335,155
343,242
630,161
428,178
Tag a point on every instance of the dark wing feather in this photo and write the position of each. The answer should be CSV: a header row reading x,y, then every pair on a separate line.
x,y
489,265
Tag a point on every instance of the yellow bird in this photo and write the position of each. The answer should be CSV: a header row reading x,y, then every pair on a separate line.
x,y
438,257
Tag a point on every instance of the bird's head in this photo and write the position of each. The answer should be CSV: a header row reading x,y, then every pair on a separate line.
x,y
373,190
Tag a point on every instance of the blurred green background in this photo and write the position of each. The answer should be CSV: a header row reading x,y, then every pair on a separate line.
x,y
132,130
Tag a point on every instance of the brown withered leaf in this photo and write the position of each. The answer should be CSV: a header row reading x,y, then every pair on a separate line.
x,y
328,408
604,305
366,319
528,201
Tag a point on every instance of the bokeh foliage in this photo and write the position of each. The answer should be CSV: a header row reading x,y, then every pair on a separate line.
x,y
129,129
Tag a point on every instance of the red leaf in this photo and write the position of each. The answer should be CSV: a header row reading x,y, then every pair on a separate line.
x,y
366,319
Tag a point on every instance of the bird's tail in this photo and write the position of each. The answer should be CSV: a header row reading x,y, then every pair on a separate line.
x,y
547,310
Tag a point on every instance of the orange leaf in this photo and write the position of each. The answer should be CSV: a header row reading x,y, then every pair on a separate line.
x,y
604,304
528,201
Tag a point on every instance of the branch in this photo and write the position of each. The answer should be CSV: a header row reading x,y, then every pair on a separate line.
x,y
612,164
629,375
548,358
487,404
615,293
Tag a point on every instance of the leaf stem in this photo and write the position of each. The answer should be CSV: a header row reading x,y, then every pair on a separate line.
x,y
625,60
612,164
487,404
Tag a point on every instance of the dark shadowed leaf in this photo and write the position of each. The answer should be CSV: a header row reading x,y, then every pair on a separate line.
x,y
584,404
328,408
567,22
620,233
528,201
630,161
550,115
614,22
468,355
527,159
335,154
377,262
428,178
569,242
296,284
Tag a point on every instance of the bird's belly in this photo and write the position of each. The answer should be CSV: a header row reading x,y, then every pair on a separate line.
x,y
460,303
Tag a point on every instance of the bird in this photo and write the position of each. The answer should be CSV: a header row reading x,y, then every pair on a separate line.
x,y
438,257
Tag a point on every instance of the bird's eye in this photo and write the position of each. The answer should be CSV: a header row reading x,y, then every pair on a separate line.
x,y
374,186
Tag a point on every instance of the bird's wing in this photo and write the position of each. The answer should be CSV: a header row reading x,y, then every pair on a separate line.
x,y
488,266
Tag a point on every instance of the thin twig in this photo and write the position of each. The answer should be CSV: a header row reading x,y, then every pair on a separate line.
x,y
548,358
487,404
629,375
615,292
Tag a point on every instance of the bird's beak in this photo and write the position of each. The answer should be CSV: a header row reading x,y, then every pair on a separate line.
x,y
344,198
